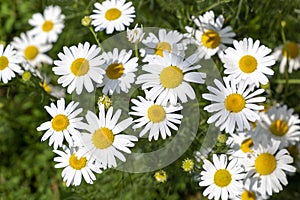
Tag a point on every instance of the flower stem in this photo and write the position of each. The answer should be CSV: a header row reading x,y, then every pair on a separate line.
x,y
96,38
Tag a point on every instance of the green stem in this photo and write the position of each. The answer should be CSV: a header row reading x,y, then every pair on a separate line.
x,y
290,81
136,50
96,38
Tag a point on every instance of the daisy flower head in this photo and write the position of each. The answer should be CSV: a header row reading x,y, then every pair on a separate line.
x,y
248,61
135,35
281,124
223,178
288,54
63,125
168,78
233,104
32,50
9,63
119,70
155,118
75,167
210,36
112,15
248,193
102,139
267,168
48,26
79,66
167,41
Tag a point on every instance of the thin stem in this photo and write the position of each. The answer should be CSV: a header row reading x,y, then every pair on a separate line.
x,y
136,50
291,81
96,38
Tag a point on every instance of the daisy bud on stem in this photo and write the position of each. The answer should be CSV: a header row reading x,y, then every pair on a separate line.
x,y
86,21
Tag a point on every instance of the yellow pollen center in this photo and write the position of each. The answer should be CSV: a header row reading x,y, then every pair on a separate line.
x,y
80,67
115,71
112,14
265,164
161,47
247,195
187,165
47,26
3,62
210,39
279,128
31,52
246,145
171,77
235,103
60,122
222,178
248,64
76,163
156,113
291,50
103,138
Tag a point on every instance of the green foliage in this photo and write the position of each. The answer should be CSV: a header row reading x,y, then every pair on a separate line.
x,y
26,165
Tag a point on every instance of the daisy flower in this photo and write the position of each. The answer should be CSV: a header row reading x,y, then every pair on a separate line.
x,y
112,15
119,68
210,36
9,63
166,41
155,117
288,53
233,105
135,35
79,66
63,125
248,61
267,166
103,140
224,180
281,124
75,167
168,78
47,27
32,50
248,193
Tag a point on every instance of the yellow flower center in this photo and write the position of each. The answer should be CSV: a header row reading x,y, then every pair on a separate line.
x,y
115,71
293,150
156,113
187,165
235,103
76,163
265,164
248,64
3,62
246,145
47,26
46,87
210,39
279,128
291,50
112,14
160,176
247,195
80,67
103,138
161,47
60,122
222,178
171,77
31,52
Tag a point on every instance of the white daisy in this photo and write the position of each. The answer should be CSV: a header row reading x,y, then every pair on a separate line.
x,y
103,140
47,27
289,52
63,125
168,78
32,50
248,61
9,63
281,124
233,105
75,167
224,180
165,42
79,66
267,166
112,15
135,35
155,117
210,36
248,193
119,68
